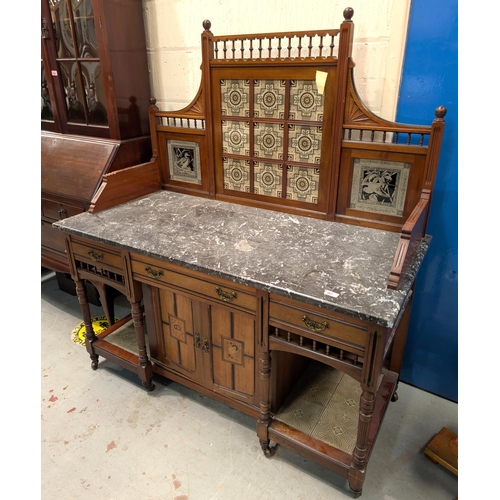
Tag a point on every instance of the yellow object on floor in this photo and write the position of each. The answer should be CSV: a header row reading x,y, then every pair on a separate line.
x,y
99,324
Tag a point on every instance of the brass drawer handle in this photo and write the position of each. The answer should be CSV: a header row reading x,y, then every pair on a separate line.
x,y
153,273
225,296
96,257
314,325
204,346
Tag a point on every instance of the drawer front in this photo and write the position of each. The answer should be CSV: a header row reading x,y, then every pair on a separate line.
x,y
309,320
52,238
155,273
56,211
96,254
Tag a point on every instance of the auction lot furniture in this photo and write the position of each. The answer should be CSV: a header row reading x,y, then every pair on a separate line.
x,y
273,243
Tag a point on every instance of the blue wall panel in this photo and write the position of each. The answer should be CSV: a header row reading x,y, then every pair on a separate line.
x,y
430,79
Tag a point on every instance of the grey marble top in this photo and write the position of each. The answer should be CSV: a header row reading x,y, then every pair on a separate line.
x,y
336,266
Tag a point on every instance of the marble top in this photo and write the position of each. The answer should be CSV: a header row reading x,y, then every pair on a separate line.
x,y
336,266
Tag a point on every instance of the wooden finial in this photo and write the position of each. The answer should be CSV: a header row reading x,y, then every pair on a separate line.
x,y
152,101
207,25
348,13
440,112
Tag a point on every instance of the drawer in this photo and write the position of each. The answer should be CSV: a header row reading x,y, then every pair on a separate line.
x,y
52,238
296,316
157,273
96,254
56,210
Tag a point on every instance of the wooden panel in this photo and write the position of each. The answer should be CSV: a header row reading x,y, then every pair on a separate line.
x,y
73,166
282,315
181,329
244,331
392,199
177,344
167,345
156,273
233,338
126,185
221,329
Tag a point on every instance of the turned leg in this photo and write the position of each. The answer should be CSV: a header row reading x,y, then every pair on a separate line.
x,y
360,456
90,335
265,406
145,367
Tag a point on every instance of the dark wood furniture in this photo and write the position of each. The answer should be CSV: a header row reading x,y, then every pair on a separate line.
x,y
283,287
94,109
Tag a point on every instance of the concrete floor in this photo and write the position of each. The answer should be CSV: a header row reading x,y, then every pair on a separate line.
x,y
103,437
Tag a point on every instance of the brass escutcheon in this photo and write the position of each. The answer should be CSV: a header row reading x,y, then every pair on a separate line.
x,y
314,325
153,273
225,296
204,346
197,342
96,257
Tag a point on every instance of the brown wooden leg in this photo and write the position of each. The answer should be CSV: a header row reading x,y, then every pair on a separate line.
x,y
107,300
395,396
146,368
360,456
90,335
265,406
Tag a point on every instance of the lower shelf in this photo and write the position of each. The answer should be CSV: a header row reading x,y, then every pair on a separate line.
x,y
124,336
319,420
324,405
118,344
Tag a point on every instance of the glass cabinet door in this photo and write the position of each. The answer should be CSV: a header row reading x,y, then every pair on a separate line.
x,y
77,61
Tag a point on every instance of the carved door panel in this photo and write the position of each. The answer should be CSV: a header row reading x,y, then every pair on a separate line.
x,y
233,352
212,345
180,335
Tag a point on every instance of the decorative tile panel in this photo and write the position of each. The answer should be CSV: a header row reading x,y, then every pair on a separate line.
x,y
304,144
269,98
302,184
184,161
268,179
260,135
305,101
379,186
235,138
268,140
236,174
235,97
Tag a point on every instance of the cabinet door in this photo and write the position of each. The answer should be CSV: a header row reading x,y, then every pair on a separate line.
x,y
180,333
212,345
233,352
